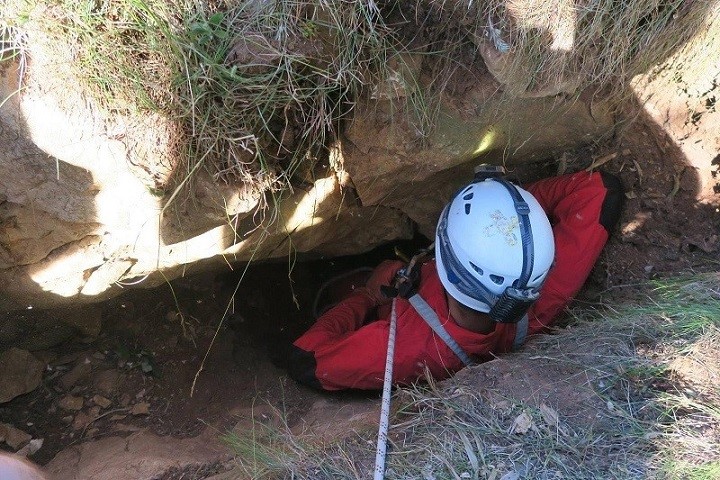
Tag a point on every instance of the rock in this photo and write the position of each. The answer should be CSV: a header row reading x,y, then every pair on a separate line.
x,y
71,403
107,381
86,320
14,437
446,158
72,241
79,373
81,421
20,372
139,455
32,447
101,401
142,408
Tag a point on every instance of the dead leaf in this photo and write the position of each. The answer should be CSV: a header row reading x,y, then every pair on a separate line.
x,y
522,424
562,164
552,419
601,161
639,172
676,183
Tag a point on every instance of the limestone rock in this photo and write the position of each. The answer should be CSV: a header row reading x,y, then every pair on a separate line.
x,y
32,447
107,381
78,374
20,373
14,437
140,455
141,408
101,401
418,177
71,403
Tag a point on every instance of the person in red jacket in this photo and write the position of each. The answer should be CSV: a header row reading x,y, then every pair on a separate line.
x,y
507,262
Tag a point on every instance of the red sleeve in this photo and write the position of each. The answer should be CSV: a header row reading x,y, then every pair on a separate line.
x,y
573,204
348,343
345,357
341,320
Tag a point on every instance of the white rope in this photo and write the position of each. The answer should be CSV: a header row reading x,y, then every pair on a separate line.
x,y
381,450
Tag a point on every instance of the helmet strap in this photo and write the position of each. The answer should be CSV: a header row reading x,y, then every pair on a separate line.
x,y
514,302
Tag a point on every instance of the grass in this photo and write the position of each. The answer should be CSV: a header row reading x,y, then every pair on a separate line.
x,y
650,408
258,90
685,471
299,66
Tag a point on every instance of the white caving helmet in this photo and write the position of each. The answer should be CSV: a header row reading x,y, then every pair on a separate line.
x,y
494,247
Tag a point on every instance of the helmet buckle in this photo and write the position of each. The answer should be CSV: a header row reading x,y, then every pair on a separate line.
x,y
513,304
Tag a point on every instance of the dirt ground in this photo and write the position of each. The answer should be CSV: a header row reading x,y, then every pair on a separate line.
x,y
164,364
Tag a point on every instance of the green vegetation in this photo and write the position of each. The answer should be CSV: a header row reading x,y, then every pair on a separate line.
x,y
630,393
257,90
238,78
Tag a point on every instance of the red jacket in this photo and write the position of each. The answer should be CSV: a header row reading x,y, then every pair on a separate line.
x,y
349,343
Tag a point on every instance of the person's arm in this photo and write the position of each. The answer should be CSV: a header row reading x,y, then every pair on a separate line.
x,y
583,208
355,360
337,344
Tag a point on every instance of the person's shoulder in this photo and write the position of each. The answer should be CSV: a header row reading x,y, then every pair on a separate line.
x,y
429,275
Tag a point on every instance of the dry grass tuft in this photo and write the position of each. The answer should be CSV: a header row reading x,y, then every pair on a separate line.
x,y
255,87
620,394
259,88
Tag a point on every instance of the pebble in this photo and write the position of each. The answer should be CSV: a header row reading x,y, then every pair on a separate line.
x,y
101,401
14,437
142,408
71,403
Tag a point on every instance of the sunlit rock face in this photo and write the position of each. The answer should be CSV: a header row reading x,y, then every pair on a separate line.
x,y
83,212
391,164
85,205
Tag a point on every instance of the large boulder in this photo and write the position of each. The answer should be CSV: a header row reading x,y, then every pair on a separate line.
x,y
80,211
391,164
87,204
20,373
